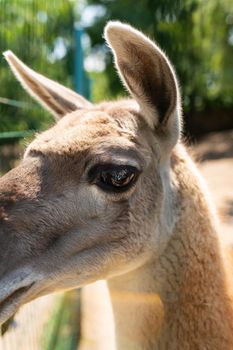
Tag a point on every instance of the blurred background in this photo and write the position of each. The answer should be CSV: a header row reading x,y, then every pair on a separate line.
x,y
63,40
197,35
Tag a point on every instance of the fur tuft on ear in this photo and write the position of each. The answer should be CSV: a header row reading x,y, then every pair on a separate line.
x,y
55,97
147,74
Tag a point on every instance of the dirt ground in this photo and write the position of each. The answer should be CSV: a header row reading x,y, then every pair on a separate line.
x,y
215,161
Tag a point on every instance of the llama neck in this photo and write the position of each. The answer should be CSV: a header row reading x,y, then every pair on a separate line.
x,y
180,300
177,302
194,290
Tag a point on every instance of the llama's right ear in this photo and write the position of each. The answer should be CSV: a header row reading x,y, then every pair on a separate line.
x,y
55,97
147,74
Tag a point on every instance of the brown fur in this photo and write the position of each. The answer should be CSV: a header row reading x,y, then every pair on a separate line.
x,y
156,243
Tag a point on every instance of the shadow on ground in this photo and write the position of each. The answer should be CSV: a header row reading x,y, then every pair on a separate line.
x,y
215,146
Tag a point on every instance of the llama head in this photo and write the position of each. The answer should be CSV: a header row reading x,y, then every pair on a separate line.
x,y
91,197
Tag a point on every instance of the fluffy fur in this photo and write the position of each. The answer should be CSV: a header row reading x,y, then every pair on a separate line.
x,y
156,244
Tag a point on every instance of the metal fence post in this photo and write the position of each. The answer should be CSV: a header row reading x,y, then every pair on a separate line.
x,y
81,80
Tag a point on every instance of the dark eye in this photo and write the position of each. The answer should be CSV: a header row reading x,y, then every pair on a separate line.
x,y
114,178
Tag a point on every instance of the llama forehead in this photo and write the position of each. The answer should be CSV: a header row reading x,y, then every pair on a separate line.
x,y
95,131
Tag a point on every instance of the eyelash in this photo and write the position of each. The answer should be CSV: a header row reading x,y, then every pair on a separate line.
x,y
113,178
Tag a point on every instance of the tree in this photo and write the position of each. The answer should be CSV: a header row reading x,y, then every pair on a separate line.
x,y
41,34
197,35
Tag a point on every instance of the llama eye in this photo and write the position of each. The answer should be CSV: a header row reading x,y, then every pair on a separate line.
x,y
114,178
117,178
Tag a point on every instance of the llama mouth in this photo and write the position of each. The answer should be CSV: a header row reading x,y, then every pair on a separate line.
x,y
10,305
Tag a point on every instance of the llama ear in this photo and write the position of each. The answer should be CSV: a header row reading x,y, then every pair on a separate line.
x,y
146,73
55,97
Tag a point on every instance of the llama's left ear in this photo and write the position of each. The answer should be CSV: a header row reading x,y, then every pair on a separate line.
x,y
147,74
53,96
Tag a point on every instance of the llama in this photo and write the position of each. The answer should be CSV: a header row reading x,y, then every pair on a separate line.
x,y
109,192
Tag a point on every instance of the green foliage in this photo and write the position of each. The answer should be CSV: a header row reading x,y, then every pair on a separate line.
x,y
40,33
197,35
62,329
